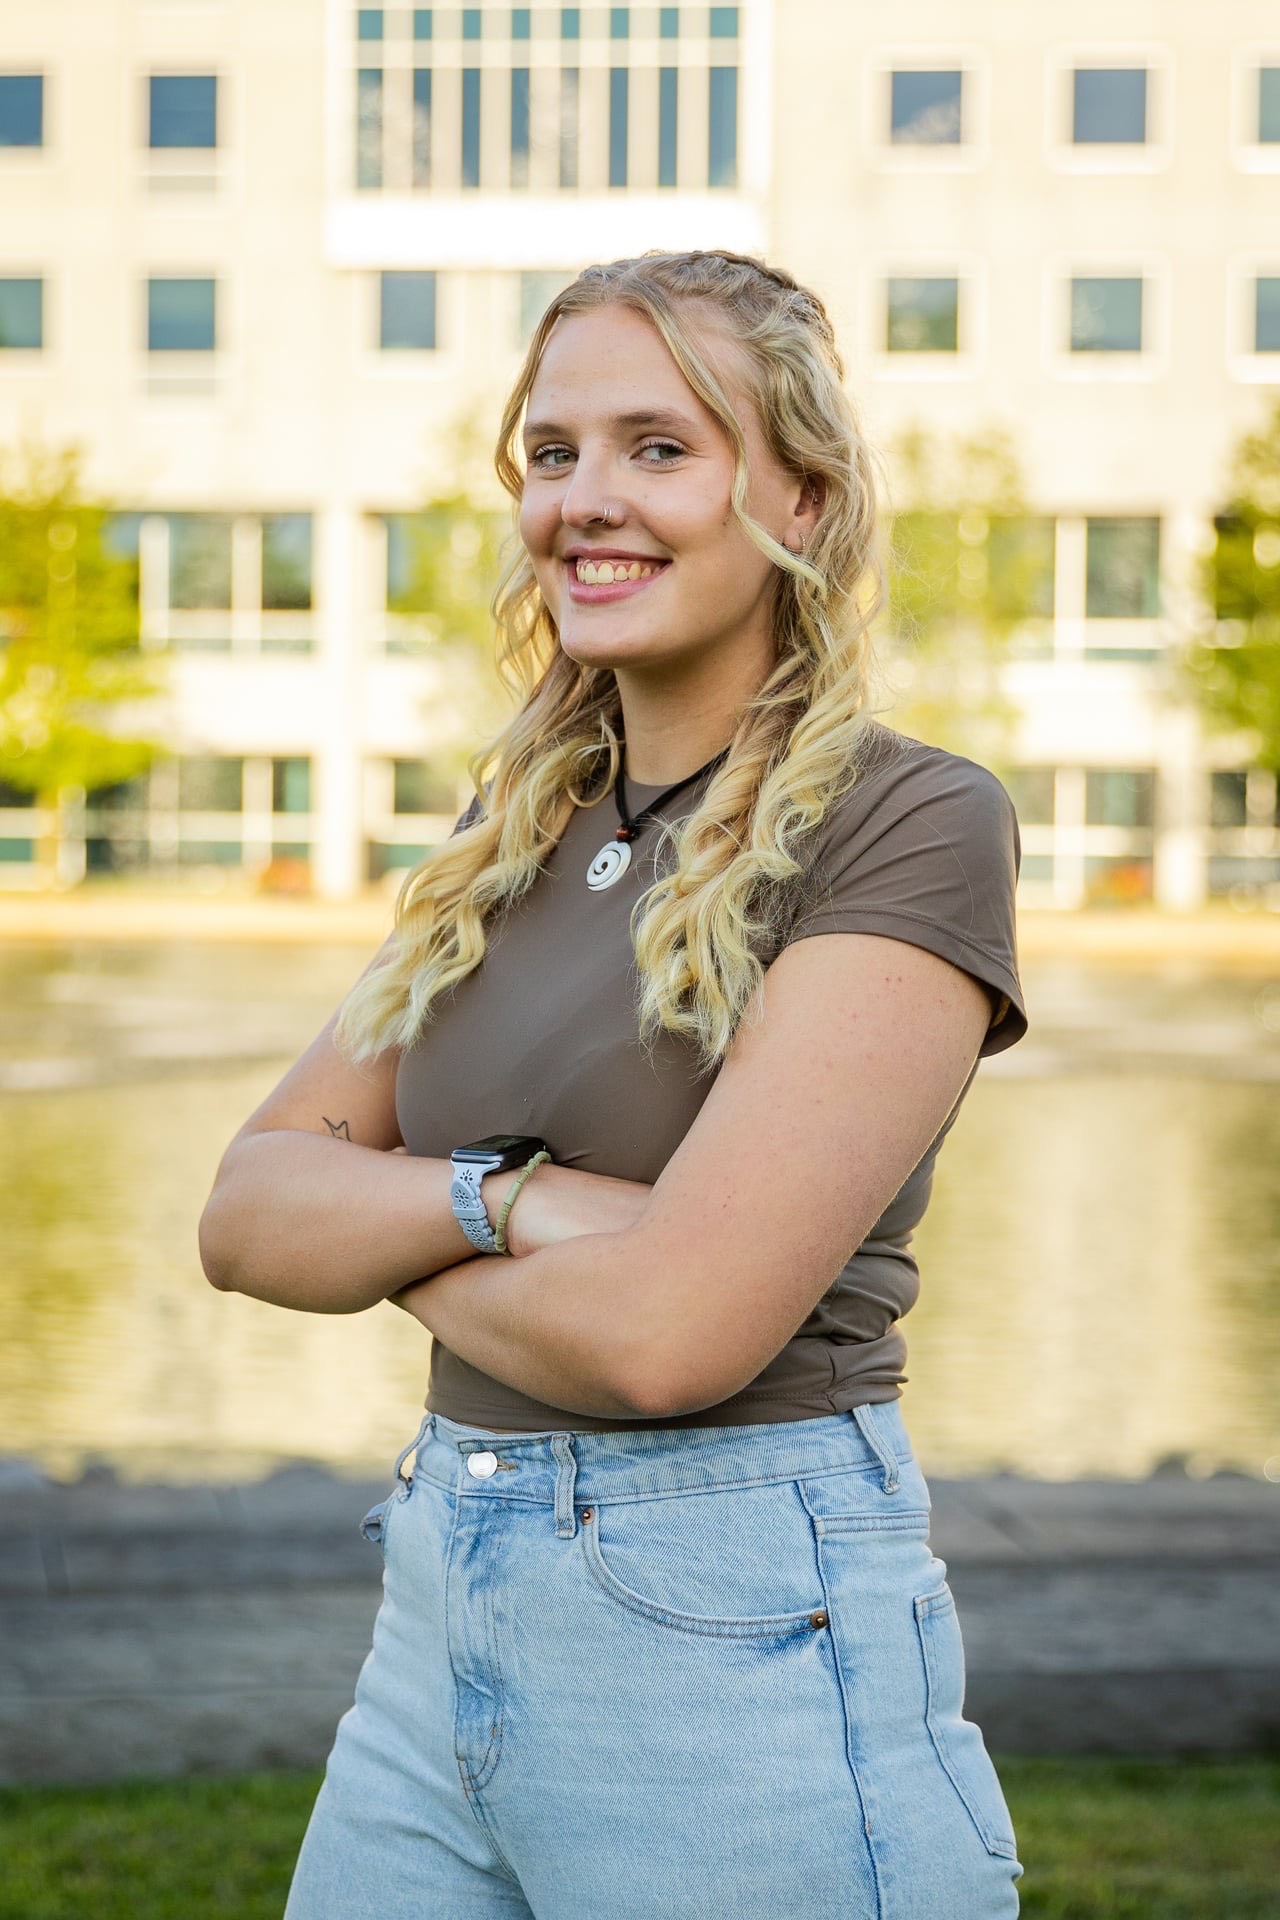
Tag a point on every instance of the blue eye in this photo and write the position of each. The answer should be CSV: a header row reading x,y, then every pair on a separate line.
x,y
540,457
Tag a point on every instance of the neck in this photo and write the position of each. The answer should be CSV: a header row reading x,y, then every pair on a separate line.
x,y
674,724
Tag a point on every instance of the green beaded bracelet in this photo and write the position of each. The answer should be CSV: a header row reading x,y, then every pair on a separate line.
x,y
500,1225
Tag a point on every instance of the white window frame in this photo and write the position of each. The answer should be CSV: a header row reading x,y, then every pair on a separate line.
x,y
971,270
1155,154
26,362
1150,362
442,363
32,159
1249,155
1243,363
193,181
972,153
198,375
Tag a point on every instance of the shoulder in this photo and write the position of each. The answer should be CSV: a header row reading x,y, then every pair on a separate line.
x,y
904,783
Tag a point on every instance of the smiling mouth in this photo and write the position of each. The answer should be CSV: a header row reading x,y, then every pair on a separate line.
x,y
599,582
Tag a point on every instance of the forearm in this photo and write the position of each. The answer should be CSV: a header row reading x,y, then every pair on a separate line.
x,y
322,1225
553,1324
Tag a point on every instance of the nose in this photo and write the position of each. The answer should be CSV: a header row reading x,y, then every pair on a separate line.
x,y
589,497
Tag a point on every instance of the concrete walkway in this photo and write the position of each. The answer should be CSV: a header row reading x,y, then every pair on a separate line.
x,y
165,1630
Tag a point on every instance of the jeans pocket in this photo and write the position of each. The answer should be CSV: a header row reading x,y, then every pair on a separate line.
x,y
736,1561
375,1523
957,1742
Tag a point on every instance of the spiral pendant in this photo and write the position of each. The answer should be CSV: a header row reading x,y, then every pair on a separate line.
x,y
609,865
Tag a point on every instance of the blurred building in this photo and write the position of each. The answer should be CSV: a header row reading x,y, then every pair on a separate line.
x,y
259,256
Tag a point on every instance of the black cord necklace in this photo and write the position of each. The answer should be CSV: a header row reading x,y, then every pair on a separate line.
x,y
614,856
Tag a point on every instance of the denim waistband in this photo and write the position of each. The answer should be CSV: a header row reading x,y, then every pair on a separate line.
x,y
556,1468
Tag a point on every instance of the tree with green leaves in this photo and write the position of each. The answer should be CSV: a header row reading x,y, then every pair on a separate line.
x,y
444,568
73,684
1232,662
967,565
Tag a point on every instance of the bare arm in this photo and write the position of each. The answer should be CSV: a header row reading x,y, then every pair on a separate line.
x,y
813,1124
312,1208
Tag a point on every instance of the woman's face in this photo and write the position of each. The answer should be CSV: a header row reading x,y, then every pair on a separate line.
x,y
613,426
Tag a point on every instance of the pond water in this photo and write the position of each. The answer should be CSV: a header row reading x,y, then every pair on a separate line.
x,y
1100,1262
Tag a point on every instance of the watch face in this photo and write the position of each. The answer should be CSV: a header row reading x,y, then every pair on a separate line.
x,y
500,1146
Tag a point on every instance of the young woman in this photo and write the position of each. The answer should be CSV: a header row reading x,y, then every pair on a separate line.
x,y
661,1632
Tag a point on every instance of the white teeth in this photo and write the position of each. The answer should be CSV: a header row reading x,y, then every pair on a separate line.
x,y
606,573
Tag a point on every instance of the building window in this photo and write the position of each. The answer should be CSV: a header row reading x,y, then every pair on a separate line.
x,y
520,24
183,110
569,127
1109,106
1122,569
570,23
21,109
369,127
408,311
922,315
369,23
471,126
1266,315
407,591
286,563
669,23
422,126
1268,105
291,786
668,125
120,538
181,316
422,23
1020,565
471,23
519,126
925,108
722,127
200,560
619,23
1031,789
1119,797
210,783
21,315
1106,314
1229,797
724,23
418,787
619,101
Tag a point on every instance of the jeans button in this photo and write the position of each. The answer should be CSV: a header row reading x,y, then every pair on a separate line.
x,y
481,1465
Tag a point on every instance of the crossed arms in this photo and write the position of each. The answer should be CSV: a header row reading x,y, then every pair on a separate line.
x,y
622,1300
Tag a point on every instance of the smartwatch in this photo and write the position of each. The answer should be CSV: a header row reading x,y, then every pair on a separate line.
x,y
494,1154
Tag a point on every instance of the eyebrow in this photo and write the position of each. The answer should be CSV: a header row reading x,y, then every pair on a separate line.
x,y
643,417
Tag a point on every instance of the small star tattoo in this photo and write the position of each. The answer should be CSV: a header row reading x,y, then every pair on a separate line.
x,y
338,1128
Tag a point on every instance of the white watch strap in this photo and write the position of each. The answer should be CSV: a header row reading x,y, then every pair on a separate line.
x,y
468,1206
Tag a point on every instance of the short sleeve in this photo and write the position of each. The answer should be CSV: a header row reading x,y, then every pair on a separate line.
x,y
926,850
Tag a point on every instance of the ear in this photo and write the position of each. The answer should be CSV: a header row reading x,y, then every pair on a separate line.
x,y
806,509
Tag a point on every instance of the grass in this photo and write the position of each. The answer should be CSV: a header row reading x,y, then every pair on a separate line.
x,y
1101,1840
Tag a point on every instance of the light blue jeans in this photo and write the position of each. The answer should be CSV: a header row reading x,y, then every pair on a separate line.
x,y
708,1673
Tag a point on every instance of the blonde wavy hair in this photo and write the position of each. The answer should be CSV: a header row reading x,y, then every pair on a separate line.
x,y
701,931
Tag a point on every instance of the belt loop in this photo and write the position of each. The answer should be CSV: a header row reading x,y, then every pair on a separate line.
x,y
865,1416
427,1423
566,1518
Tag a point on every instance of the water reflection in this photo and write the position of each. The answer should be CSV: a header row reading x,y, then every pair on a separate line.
x,y
1101,1259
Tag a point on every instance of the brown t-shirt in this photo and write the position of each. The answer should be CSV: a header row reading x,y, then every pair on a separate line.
x,y
543,1039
